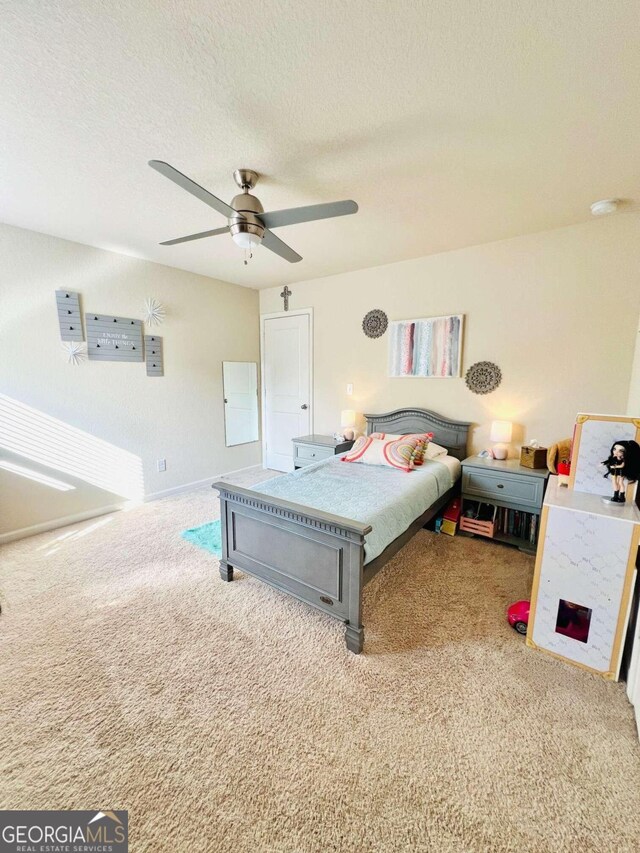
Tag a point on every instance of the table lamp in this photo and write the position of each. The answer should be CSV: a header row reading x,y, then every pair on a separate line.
x,y
500,433
348,422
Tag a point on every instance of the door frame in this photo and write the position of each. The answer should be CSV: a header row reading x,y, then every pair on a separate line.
x,y
263,396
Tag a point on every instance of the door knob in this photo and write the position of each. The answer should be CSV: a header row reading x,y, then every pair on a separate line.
x,y
304,406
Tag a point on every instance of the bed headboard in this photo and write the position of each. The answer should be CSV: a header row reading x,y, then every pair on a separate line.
x,y
450,434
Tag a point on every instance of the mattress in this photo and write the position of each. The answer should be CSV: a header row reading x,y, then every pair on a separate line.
x,y
384,497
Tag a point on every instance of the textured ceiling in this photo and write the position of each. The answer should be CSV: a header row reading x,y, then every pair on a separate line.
x,y
450,123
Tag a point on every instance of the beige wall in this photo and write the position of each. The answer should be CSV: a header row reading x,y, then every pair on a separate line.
x,y
633,405
557,311
103,421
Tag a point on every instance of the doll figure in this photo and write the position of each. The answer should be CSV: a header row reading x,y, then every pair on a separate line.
x,y
623,465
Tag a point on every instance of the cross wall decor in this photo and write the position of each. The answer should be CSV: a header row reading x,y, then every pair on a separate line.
x,y
286,293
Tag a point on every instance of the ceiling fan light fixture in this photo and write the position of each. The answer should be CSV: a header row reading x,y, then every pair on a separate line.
x,y
246,227
604,206
247,240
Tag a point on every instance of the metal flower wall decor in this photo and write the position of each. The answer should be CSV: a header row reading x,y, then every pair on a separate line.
x,y
375,323
154,312
76,351
483,377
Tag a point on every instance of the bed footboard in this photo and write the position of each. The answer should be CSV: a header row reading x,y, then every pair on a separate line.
x,y
312,555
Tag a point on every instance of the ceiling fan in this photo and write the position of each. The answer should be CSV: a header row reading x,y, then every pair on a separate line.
x,y
248,224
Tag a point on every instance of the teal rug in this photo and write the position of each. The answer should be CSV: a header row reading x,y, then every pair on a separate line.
x,y
207,536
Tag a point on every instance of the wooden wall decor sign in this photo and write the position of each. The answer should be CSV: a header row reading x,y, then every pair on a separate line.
x,y
113,338
153,353
69,317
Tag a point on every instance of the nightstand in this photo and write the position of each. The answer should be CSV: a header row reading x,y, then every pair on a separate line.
x,y
515,492
312,448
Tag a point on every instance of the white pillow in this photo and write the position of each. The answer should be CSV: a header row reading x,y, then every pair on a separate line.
x,y
435,450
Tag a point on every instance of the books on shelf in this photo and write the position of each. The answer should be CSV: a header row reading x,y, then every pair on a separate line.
x,y
514,522
506,522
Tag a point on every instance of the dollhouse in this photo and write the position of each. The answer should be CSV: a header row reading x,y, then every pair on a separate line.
x,y
586,563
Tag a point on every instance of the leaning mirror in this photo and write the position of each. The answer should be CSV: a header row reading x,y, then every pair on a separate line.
x,y
240,389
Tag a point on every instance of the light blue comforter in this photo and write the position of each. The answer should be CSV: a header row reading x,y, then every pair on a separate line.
x,y
387,499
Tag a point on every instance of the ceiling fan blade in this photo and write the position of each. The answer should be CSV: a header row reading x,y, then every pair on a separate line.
x,y
277,218
193,188
199,236
276,245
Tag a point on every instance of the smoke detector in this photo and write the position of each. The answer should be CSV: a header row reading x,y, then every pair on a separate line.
x,y
604,207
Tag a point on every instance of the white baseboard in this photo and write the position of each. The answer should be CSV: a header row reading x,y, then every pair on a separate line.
x,y
55,523
197,484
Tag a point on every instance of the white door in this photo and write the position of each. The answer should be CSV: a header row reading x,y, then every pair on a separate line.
x,y
287,386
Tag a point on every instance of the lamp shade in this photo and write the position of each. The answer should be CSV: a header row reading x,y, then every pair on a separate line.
x,y
501,431
347,418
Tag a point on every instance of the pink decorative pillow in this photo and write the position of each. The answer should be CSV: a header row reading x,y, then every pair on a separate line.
x,y
423,438
374,451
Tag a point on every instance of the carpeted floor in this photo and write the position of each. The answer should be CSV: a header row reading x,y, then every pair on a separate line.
x,y
207,536
227,717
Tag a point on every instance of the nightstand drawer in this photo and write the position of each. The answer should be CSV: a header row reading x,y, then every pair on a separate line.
x,y
312,453
520,489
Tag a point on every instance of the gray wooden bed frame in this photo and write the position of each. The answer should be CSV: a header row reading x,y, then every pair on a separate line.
x,y
313,555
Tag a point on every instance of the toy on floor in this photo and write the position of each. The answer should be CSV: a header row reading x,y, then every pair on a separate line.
x,y
623,465
451,517
518,616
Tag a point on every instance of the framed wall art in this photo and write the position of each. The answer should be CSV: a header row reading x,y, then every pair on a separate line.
x,y
430,347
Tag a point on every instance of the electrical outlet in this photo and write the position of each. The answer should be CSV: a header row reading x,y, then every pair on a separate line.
x,y
349,389
162,465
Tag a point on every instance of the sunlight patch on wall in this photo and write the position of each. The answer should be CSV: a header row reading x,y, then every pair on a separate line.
x,y
36,476
48,441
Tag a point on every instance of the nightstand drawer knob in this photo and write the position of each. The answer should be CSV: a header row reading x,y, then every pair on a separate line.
x,y
500,486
